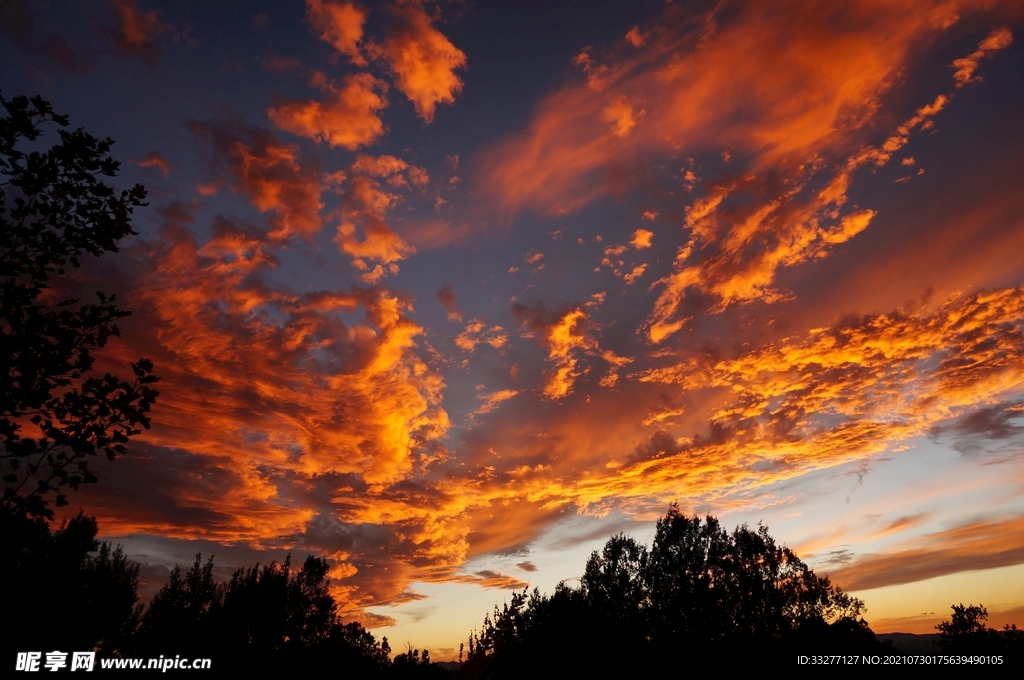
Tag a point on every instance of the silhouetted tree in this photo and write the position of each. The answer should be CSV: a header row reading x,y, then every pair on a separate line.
x,y
179,618
707,587
613,581
699,589
64,589
966,633
268,617
54,208
414,663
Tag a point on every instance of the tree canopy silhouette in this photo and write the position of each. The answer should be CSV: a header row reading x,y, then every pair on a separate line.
x,y
708,586
54,208
966,633
267,618
697,588
64,588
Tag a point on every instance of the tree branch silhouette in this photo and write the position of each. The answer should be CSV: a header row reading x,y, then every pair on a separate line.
x,y
54,209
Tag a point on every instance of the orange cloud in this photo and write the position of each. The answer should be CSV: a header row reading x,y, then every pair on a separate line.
x,y
313,418
285,409
737,247
997,40
365,206
485,577
268,173
833,396
318,427
137,31
423,60
774,85
476,331
437,233
394,171
349,119
621,115
775,413
641,239
492,400
615,362
613,258
564,333
846,392
903,523
790,96
154,159
632,276
340,24
635,38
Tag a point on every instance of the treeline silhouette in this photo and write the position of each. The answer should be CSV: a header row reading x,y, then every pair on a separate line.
x,y
65,590
699,591
730,599
966,633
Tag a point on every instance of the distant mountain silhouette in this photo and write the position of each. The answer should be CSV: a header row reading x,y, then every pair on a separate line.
x,y
912,643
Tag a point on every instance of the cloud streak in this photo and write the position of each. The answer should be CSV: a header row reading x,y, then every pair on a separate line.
x,y
983,544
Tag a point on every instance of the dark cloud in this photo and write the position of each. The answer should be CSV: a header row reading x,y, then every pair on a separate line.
x,y
446,296
659,444
268,172
18,24
970,433
137,31
833,558
569,536
514,551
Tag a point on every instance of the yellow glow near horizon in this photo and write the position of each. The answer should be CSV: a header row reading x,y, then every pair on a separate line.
x,y
1000,590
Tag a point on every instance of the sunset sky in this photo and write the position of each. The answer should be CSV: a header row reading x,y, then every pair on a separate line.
x,y
450,292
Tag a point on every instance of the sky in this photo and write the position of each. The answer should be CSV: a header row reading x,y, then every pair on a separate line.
x,y
451,292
